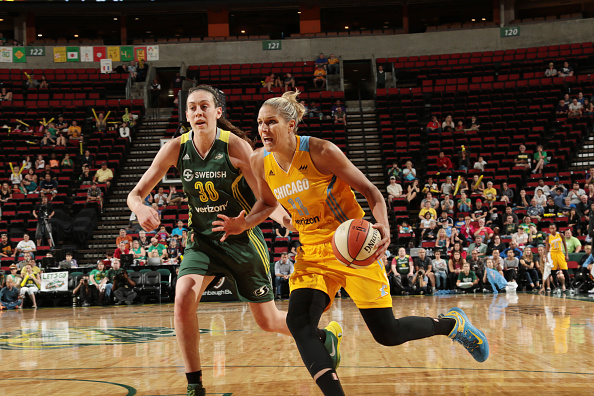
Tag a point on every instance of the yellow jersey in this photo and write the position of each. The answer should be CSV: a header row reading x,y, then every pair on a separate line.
x,y
555,243
317,203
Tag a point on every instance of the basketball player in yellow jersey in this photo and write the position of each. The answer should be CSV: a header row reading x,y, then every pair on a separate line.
x,y
555,244
312,179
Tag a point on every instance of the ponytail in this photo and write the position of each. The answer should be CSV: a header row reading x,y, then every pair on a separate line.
x,y
288,106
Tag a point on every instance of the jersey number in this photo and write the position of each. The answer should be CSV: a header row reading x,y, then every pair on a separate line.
x,y
299,207
206,191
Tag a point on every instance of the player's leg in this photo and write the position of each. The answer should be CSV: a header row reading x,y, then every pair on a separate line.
x,y
269,318
305,309
189,289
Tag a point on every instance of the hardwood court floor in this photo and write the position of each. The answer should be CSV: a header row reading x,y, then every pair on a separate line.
x,y
538,344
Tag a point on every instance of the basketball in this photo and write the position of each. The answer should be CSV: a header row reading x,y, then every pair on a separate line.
x,y
355,242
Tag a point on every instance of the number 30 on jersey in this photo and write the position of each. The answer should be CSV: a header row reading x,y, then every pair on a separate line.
x,y
206,191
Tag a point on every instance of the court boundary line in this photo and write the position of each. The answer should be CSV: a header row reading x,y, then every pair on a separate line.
x,y
131,390
299,366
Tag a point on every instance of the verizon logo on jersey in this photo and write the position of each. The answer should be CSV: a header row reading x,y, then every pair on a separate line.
x,y
290,189
212,209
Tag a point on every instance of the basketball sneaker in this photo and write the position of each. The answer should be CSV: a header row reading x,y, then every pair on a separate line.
x,y
332,343
196,390
466,334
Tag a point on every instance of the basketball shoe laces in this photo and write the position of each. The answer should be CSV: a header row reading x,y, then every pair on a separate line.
x,y
467,340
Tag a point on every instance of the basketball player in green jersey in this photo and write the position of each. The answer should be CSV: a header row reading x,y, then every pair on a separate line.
x,y
216,175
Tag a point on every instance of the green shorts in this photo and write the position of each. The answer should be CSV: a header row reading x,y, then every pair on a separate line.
x,y
244,261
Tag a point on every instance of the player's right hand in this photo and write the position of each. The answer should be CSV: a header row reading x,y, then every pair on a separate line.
x,y
148,218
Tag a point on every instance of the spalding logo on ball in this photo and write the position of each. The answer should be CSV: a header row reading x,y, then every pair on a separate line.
x,y
354,243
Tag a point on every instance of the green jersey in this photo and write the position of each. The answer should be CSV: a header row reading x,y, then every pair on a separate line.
x,y
403,265
97,276
212,184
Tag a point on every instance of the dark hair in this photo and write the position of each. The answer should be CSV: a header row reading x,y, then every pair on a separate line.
x,y
222,122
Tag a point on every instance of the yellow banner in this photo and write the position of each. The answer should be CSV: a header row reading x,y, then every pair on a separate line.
x,y
59,54
113,53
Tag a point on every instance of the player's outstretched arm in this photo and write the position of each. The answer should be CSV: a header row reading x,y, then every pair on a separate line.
x,y
166,158
329,159
243,158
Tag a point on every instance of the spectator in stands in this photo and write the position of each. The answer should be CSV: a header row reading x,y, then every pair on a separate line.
x,y
9,296
175,197
123,286
321,61
455,265
528,269
478,211
5,193
425,223
68,262
441,241
271,81
562,109
289,81
319,79
25,246
138,252
87,159
463,161
394,190
39,162
473,124
27,259
573,244
478,245
467,280
559,196
523,201
497,244
588,108
162,235
423,263
447,205
485,232
521,238
144,241
48,186
541,198
490,194
540,158
103,175
550,210
575,194
43,212
43,84
155,91
85,177
413,191
5,95
179,230
94,194
314,111
53,162
497,261
566,70
67,162
99,279
480,164
381,78
464,203
543,187
121,249
409,173
6,247
74,131
444,163
30,284
123,237
156,249
401,273
61,125
431,188
507,194
333,64
394,171
448,124
283,269
432,200
522,159
551,71
340,116
160,197
447,187
29,183
433,126
48,140
510,266
575,109
440,268
537,237
133,70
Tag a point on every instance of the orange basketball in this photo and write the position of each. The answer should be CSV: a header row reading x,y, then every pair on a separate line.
x,y
355,242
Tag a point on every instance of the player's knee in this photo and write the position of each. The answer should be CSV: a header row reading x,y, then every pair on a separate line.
x,y
267,324
385,338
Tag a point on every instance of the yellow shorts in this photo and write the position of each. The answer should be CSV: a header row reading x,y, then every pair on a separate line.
x,y
559,261
317,268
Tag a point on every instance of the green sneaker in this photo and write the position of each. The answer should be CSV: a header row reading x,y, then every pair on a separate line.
x,y
332,343
196,390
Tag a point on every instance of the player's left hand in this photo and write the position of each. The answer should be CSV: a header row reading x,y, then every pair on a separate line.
x,y
384,243
230,225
